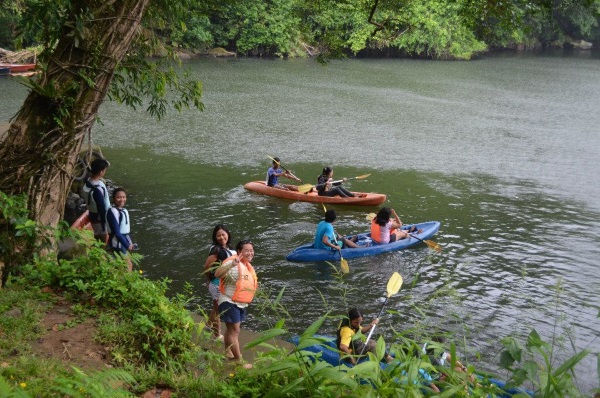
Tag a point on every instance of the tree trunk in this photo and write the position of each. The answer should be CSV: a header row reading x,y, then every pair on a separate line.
x,y
41,146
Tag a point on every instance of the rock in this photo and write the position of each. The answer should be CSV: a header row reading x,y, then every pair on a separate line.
x,y
14,313
220,52
578,44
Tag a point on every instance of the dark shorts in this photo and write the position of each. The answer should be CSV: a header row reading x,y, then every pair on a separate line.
x,y
231,313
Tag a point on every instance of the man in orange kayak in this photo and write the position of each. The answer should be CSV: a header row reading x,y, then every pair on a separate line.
x,y
275,172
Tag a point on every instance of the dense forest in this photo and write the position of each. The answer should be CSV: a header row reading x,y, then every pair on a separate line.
x,y
289,28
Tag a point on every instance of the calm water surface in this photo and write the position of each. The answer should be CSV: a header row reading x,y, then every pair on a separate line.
x,y
503,151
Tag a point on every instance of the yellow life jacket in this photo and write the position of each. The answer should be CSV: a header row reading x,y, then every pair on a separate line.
x,y
246,284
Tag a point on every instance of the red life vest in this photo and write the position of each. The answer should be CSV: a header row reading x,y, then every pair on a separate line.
x,y
246,284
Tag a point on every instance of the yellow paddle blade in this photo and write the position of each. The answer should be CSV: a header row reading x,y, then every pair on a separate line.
x,y
433,245
273,159
344,265
394,284
305,188
324,208
371,216
362,177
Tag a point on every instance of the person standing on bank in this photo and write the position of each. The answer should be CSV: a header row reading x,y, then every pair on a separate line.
x,y
218,252
119,226
238,283
95,195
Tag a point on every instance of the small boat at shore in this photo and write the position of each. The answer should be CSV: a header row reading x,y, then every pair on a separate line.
x,y
327,351
18,68
83,222
361,198
308,253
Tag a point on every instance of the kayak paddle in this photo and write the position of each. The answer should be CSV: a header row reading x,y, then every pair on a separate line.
x,y
307,187
284,169
393,287
431,244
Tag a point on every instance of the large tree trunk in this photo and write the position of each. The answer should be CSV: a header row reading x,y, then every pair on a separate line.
x,y
40,149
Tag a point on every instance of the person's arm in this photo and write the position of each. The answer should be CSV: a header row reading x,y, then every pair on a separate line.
x,y
289,175
326,242
226,266
345,340
365,329
396,223
208,264
346,350
115,228
100,205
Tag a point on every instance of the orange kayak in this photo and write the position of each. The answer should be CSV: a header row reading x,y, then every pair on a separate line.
x,y
83,222
361,198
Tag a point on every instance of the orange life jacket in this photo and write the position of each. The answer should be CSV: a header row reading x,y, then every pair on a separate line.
x,y
246,284
376,232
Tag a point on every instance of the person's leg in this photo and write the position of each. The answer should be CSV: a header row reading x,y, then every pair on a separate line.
x,y
349,243
346,192
214,321
232,335
336,191
400,234
231,315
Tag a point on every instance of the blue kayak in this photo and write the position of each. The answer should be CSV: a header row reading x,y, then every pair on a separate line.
x,y
367,247
328,352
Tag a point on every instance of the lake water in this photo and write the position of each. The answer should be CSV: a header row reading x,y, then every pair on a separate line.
x,y
503,151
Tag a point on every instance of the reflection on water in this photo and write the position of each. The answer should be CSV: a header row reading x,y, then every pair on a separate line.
x,y
503,152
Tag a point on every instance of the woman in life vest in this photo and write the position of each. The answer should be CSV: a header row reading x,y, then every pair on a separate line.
x,y
119,226
386,230
238,283
325,186
218,252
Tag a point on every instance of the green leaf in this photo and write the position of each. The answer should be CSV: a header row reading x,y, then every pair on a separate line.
x,y
265,336
570,363
315,326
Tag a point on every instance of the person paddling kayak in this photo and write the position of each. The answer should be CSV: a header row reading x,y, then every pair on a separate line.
x,y
275,172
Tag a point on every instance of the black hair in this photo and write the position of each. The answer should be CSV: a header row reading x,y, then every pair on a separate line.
x,y
353,313
241,244
98,165
116,191
217,228
276,160
326,170
383,216
330,216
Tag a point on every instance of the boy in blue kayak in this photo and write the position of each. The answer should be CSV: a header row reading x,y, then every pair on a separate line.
x,y
327,238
